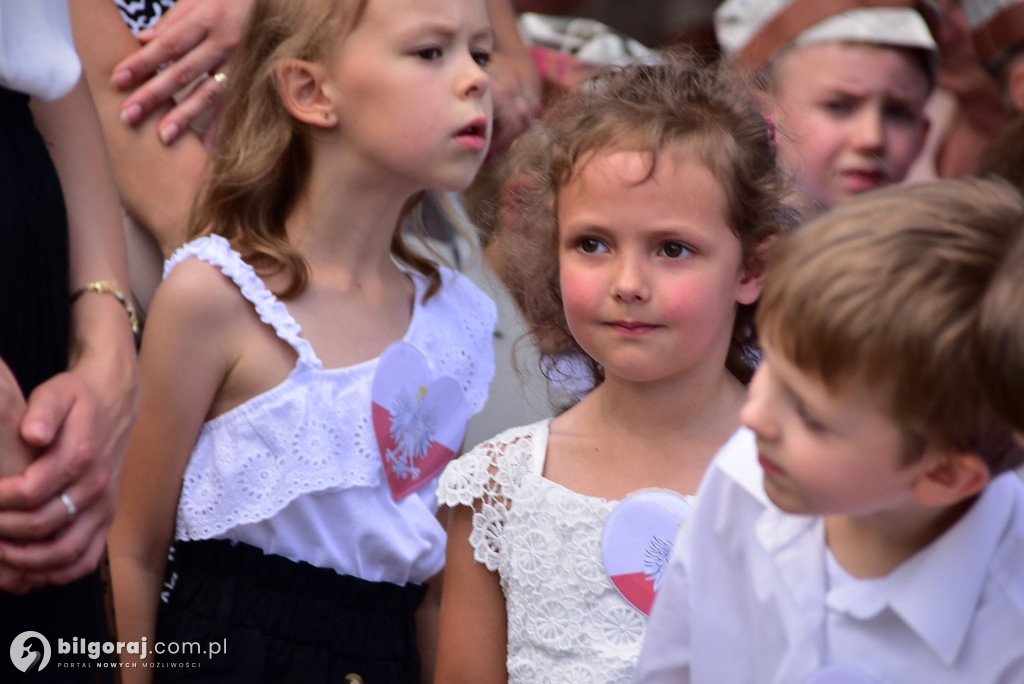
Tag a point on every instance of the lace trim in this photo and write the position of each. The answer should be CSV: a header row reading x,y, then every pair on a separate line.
x,y
486,479
301,438
216,250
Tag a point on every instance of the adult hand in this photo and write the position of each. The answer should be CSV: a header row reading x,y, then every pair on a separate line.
x,y
15,454
195,37
516,101
515,82
79,421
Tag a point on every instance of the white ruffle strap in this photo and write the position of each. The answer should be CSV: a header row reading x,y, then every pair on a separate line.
x,y
216,250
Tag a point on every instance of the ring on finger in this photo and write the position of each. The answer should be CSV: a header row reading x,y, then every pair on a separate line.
x,y
69,505
221,78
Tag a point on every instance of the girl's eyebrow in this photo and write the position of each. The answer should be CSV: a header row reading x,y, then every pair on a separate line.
x,y
486,34
446,29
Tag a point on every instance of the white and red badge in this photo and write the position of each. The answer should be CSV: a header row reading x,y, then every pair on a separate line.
x,y
638,538
419,420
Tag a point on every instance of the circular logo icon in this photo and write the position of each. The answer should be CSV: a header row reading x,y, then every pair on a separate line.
x,y
30,651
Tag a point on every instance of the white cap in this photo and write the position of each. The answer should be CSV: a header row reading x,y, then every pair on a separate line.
x,y
996,27
757,29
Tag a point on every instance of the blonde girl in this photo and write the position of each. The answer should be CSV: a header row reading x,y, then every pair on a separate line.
x,y
258,452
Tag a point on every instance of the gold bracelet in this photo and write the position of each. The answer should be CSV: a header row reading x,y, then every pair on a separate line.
x,y
110,287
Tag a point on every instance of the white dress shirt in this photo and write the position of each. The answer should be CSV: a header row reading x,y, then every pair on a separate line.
x,y
749,597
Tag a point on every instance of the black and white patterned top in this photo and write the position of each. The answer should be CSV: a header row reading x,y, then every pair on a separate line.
x,y
142,14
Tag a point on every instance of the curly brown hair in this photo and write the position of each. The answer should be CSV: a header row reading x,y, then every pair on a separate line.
x,y
708,110
262,156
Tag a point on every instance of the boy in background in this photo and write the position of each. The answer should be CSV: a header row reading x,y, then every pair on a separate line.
x,y
846,85
885,539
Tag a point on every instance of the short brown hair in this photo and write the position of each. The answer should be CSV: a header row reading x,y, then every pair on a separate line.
x,y
884,291
708,111
1000,341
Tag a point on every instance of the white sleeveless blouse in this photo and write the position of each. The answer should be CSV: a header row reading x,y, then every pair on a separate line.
x,y
296,471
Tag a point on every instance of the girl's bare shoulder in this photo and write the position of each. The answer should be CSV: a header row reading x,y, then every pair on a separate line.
x,y
199,291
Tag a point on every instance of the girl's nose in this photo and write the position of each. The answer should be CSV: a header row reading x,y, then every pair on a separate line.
x,y
474,81
629,283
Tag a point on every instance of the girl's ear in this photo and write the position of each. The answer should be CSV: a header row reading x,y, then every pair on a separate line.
x,y
952,478
305,94
752,278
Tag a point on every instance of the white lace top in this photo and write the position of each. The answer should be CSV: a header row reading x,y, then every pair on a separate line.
x,y
296,470
566,621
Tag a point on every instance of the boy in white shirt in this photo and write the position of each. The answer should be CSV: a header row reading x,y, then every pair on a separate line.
x,y
846,83
885,541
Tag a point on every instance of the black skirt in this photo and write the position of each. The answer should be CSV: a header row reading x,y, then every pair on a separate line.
x,y
255,617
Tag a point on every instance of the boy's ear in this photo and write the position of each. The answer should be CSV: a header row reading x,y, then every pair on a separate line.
x,y
1015,86
305,94
752,278
952,478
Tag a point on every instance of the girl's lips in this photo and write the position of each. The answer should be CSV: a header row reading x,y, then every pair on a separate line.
x,y
472,141
474,135
631,328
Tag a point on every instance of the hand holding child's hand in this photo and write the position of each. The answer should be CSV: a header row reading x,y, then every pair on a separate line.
x,y
55,515
15,454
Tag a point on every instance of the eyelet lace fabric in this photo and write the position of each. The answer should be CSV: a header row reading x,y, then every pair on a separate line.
x,y
566,621
314,433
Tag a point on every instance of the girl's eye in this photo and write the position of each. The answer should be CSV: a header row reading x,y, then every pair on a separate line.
x,y
481,57
675,250
429,54
837,107
591,246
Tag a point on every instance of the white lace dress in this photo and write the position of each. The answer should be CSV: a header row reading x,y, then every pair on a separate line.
x,y
566,621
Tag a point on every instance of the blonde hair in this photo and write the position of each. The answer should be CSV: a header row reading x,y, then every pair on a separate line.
x,y
884,290
704,110
262,156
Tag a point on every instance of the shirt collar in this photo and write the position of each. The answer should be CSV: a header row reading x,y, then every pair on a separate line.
x,y
936,591
738,459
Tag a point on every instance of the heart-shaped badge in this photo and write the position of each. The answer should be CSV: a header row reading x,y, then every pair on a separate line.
x,y
637,541
419,420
